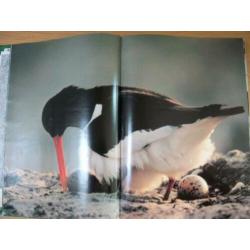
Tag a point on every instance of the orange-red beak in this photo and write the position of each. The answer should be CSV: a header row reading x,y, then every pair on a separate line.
x,y
58,141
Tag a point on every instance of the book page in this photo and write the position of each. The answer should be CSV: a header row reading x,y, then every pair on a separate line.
x,y
55,136
4,76
185,113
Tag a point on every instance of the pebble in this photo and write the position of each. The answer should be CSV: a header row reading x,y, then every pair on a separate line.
x,y
237,188
235,153
192,187
39,211
83,182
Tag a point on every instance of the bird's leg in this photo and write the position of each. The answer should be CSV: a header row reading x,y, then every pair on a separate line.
x,y
171,182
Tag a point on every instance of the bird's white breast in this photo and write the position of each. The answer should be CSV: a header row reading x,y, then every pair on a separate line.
x,y
170,151
137,140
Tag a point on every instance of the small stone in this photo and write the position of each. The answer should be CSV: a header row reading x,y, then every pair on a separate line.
x,y
235,153
130,209
83,182
192,187
68,209
9,209
39,211
237,188
11,179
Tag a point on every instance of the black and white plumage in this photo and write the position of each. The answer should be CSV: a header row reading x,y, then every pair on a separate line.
x,y
148,134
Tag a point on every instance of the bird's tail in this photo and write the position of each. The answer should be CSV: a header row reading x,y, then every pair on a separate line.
x,y
215,110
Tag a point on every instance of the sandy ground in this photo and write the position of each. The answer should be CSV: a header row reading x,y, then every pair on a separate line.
x,y
36,195
228,177
218,207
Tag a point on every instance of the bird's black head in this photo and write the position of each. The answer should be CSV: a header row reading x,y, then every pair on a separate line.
x,y
51,120
72,107
68,108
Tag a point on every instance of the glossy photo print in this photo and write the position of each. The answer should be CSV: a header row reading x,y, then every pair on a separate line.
x,y
189,127
47,145
102,126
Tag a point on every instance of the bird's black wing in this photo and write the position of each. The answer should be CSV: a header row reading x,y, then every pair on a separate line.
x,y
140,109
137,110
146,110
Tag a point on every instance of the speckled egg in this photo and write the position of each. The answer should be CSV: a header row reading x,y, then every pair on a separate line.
x,y
192,187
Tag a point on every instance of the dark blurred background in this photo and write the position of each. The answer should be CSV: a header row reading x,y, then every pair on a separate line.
x,y
196,72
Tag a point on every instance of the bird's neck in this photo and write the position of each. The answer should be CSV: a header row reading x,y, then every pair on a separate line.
x,y
100,95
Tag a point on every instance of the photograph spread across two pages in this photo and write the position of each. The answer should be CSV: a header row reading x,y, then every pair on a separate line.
x,y
131,127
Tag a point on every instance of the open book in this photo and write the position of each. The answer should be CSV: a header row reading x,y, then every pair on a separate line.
x,y
102,126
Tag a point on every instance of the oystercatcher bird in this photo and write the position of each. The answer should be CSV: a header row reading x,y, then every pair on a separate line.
x,y
148,134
